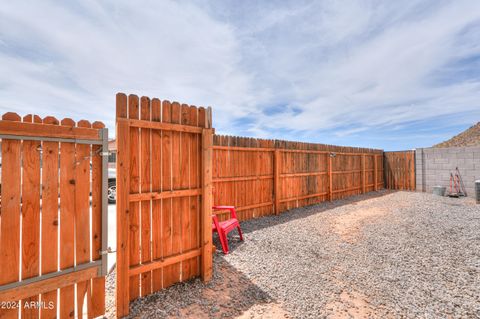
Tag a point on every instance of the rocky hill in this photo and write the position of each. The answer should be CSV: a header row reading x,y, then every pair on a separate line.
x,y
469,137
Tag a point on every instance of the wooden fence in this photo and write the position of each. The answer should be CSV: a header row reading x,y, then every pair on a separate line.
x,y
50,236
265,177
163,196
400,170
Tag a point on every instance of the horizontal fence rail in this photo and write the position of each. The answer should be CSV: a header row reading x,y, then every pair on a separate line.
x,y
266,177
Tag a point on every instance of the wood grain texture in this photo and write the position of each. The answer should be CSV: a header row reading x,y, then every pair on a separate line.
x,y
46,188
10,213
122,291
399,170
156,156
98,284
82,217
145,179
67,220
50,218
31,213
245,174
134,216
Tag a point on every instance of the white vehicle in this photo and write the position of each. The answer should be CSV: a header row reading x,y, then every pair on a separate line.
x,y
112,185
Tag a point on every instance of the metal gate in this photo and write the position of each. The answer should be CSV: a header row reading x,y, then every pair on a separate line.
x,y
53,217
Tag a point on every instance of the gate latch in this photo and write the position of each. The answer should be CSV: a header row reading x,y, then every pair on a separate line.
x,y
106,252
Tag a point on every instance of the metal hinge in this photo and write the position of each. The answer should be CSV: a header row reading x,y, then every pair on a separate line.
x,y
106,252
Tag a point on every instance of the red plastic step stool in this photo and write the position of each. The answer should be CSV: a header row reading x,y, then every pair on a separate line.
x,y
223,228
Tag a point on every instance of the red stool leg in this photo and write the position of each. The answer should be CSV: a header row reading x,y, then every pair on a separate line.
x,y
223,240
240,232
226,251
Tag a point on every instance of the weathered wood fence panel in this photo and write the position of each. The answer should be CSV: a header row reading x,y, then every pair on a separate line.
x,y
163,196
265,177
400,170
50,171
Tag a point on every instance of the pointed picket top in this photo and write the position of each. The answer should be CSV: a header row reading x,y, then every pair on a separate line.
x,y
11,116
50,120
121,105
176,114
201,116
209,117
145,108
166,111
98,124
185,115
68,122
32,118
133,107
84,123
193,115
156,110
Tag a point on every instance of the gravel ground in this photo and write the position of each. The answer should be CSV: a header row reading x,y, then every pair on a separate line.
x,y
399,254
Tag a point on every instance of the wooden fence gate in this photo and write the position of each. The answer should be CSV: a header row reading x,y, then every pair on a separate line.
x,y
400,170
164,187
52,241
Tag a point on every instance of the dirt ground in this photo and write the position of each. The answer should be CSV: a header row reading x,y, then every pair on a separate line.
x,y
381,255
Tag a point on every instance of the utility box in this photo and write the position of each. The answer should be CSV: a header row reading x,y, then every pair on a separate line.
x,y
477,191
439,190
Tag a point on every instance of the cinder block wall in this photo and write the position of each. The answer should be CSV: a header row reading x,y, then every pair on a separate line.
x,y
433,167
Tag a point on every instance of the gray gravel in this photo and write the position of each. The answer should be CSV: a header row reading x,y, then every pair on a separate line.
x,y
399,255
415,255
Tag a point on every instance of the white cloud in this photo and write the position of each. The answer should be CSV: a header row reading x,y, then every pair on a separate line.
x,y
347,67
72,60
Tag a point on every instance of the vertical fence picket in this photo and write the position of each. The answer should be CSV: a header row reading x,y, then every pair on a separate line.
x,y
184,202
50,219
195,152
167,227
67,220
82,217
30,214
156,155
145,178
97,284
176,184
122,291
10,213
134,225
206,219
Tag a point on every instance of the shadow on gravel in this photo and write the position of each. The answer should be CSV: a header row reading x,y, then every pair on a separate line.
x,y
301,212
228,295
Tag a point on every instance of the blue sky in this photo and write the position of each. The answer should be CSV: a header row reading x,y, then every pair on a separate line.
x,y
384,74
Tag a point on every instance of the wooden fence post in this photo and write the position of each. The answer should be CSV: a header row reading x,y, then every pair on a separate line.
x,y
276,176
206,262
363,173
375,171
123,181
330,182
